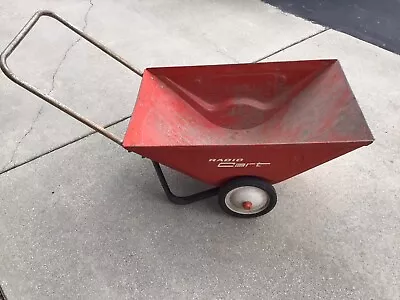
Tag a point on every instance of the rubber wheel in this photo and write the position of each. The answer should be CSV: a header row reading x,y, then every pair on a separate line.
x,y
247,197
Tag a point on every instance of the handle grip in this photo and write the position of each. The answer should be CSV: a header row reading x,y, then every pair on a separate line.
x,y
18,39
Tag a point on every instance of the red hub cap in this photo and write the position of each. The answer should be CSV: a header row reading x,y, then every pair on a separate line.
x,y
247,205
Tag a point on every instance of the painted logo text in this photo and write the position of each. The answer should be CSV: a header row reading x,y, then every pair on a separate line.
x,y
236,163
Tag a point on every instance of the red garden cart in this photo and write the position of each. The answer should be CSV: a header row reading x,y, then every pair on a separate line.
x,y
238,127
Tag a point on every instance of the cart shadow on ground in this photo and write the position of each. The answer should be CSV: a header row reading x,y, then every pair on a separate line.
x,y
202,222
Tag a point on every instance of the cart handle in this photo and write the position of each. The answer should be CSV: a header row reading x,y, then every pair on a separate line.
x,y
18,39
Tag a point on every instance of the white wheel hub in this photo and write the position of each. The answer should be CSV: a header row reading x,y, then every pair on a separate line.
x,y
247,200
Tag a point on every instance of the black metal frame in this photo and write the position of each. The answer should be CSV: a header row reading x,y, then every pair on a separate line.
x,y
185,199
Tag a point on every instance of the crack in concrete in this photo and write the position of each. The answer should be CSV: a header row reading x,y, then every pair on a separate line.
x,y
53,79
74,43
14,153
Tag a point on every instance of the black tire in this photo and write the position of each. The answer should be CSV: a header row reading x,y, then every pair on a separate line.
x,y
250,182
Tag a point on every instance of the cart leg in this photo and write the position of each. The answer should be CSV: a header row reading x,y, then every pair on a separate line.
x,y
186,199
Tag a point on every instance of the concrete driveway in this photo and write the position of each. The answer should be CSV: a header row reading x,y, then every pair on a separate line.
x,y
80,218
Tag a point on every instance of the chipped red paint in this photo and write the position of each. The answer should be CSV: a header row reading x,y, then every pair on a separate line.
x,y
278,119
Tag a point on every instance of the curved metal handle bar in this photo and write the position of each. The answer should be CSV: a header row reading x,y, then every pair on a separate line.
x,y
18,39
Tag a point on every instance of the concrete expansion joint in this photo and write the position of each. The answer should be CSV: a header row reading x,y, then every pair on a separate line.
x,y
293,44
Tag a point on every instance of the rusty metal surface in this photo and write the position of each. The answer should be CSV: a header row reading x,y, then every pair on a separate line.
x,y
19,38
272,120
